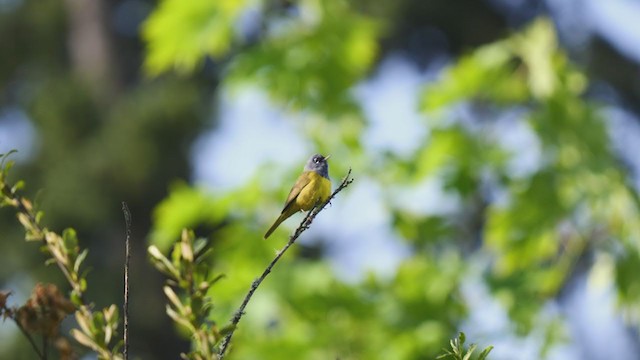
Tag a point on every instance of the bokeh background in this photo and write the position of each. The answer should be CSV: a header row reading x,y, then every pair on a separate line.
x,y
494,146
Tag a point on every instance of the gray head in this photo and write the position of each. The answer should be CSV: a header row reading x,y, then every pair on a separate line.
x,y
318,163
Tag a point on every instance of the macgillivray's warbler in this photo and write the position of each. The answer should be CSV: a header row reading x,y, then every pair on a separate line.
x,y
312,187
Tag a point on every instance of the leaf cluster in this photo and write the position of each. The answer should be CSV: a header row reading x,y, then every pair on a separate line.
x,y
458,351
96,328
189,272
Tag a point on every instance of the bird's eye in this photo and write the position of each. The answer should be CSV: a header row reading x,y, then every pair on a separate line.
x,y
316,160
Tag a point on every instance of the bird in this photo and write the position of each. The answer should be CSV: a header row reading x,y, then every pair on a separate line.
x,y
312,187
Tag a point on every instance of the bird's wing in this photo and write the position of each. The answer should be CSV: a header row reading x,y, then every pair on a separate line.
x,y
303,180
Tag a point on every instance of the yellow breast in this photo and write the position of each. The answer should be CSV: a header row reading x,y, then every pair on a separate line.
x,y
317,190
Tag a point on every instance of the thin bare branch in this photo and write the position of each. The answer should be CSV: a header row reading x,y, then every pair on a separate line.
x,y
31,341
127,257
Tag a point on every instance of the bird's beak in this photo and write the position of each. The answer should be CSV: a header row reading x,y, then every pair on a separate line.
x,y
327,157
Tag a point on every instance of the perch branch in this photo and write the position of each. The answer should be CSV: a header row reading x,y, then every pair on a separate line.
x,y
304,225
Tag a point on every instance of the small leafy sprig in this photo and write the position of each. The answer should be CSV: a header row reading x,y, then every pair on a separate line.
x,y
96,328
458,351
188,279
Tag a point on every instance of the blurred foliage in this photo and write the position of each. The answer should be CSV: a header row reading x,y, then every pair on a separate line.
x,y
574,203
179,35
308,60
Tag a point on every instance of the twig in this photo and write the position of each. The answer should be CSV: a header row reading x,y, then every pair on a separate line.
x,y
304,225
127,256
45,347
31,341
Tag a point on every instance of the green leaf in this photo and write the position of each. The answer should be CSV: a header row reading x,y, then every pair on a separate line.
x,y
80,259
39,215
537,46
19,185
5,166
162,263
76,299
470,351
626,272
70,240
483,355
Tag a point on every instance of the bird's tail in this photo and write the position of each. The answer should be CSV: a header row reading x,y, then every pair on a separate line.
x,y
275,225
